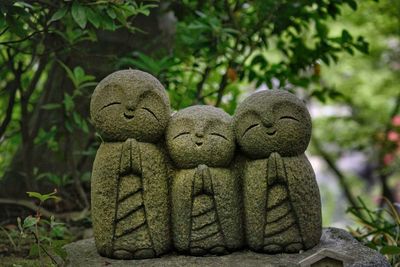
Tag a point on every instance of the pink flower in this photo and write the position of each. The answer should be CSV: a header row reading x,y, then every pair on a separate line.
x,y
393,136
388,158
396,120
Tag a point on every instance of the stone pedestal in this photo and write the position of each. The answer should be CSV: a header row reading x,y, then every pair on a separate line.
x,y
337,248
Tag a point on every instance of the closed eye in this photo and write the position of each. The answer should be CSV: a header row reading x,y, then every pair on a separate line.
x,y
289,117
183,133
111,104
220,135
151,112
249,128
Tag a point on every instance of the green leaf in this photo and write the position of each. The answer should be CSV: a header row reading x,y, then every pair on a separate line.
x,y
68,126
346,36
111,13
84,126
352,4
77,118
259,59
35,195
79,74
79,14
68,102
87,84
58,15
362,45
107,23
70,74
29,222
44,197
390,250
93,17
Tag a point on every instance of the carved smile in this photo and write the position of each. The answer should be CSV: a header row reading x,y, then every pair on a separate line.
x,y
128,116
271,133
199,143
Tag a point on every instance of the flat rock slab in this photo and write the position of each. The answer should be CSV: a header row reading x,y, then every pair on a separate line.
x,y
334,241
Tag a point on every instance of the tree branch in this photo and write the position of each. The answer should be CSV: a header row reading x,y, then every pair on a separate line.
x,y
36,77
13,86
221,88
200,85
21,40
69,216
341,177
386,191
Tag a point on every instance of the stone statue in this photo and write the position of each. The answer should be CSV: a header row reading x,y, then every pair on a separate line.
x,y
205,193
282,208
130,202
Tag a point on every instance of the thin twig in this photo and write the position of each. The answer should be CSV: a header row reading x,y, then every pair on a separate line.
x,y
21,40
4,31
386,191
56,260
200,85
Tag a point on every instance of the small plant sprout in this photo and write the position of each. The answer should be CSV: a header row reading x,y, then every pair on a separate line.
x,y
34,224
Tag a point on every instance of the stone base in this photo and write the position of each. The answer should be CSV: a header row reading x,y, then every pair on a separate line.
x,y
336,247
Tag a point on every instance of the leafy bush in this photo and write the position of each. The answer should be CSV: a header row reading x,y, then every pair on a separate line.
x,y
379,229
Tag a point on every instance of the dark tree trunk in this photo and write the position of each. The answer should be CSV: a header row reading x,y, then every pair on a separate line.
x,y
98,59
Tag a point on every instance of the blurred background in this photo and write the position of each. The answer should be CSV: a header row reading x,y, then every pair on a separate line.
x,y
342,57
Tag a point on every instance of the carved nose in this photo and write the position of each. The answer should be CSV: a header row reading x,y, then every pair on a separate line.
x,y
199,134
130,106
268,124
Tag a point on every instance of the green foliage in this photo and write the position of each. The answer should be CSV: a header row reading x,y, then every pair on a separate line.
x,y
49,235
367,100
37,37
223,45
44,197
380,229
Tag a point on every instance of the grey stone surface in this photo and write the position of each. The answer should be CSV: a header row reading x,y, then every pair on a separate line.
x,y
83,253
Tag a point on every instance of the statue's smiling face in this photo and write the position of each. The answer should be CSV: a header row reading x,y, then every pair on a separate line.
x,y
272,121
132,104
201,135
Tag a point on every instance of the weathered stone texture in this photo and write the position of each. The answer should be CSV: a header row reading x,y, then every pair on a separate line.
x,y
205,193
83,253
282,206
130,201
130,104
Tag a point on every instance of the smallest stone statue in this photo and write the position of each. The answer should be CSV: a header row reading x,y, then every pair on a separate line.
x,y
282,208
205,193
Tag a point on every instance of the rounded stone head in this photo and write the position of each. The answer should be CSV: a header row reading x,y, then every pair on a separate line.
x,y
201,135
130,104
272,121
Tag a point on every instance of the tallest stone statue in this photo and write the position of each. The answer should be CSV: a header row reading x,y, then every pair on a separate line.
x,y
130,202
